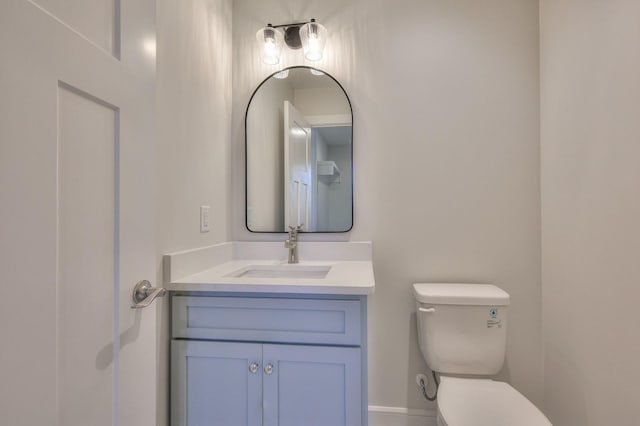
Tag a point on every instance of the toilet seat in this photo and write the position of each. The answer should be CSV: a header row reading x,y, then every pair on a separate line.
x,y
484,402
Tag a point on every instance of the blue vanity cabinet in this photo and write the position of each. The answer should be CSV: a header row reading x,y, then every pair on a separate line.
x,y
263,360
311,386
213,383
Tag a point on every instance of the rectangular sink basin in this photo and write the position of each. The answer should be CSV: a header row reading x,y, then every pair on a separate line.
x,y
282,271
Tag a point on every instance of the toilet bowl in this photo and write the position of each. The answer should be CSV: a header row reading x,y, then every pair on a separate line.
x,y
484,402
462,331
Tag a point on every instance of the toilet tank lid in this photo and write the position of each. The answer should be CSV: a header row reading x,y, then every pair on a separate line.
x,y
460,294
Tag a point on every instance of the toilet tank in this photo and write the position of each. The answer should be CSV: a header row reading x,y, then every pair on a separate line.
x,y
462,328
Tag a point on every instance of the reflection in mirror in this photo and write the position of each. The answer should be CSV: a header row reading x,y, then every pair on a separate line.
x,y
298,131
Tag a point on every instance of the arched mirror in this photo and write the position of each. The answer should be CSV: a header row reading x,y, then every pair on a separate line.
x,y
299,154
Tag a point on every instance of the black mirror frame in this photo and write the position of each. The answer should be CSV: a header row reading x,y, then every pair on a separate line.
x,y
246,156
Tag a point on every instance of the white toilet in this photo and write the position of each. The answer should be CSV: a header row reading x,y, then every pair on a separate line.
x,y
462,332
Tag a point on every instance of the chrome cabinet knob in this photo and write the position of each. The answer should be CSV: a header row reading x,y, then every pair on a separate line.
x,y
268,369
253,367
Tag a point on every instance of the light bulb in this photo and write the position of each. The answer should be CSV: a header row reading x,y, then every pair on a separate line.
x,y
314,53
270,55
313,37
270,41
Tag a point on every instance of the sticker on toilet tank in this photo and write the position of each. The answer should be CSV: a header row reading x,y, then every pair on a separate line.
x,y
494,321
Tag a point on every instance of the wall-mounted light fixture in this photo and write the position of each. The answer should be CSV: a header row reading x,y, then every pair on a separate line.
x,y
310,36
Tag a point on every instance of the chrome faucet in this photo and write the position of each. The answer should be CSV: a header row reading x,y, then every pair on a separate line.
x,y
292,243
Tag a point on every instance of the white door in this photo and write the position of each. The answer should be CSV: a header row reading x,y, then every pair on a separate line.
x,y
297,168
76,212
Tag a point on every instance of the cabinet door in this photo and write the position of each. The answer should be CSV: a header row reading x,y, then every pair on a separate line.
x,y
213,385
311,386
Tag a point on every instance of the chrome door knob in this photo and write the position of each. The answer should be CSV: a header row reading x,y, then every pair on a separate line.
x,y
268,369
253,367
144,294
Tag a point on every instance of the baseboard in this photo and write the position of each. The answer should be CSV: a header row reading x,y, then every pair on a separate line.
x,y
400,416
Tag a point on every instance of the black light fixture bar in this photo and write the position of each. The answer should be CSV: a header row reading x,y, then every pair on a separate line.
x,y
295,24
292,33
309,35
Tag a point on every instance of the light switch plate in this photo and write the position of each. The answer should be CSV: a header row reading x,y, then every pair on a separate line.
x,y
204,218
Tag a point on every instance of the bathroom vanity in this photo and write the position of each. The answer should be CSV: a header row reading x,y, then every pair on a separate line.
x,y
256,341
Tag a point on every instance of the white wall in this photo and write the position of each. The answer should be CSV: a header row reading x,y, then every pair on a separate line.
x,y
193,116
193,113
446,149
590,103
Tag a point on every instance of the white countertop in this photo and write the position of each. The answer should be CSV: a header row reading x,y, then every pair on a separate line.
x,y
211,269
